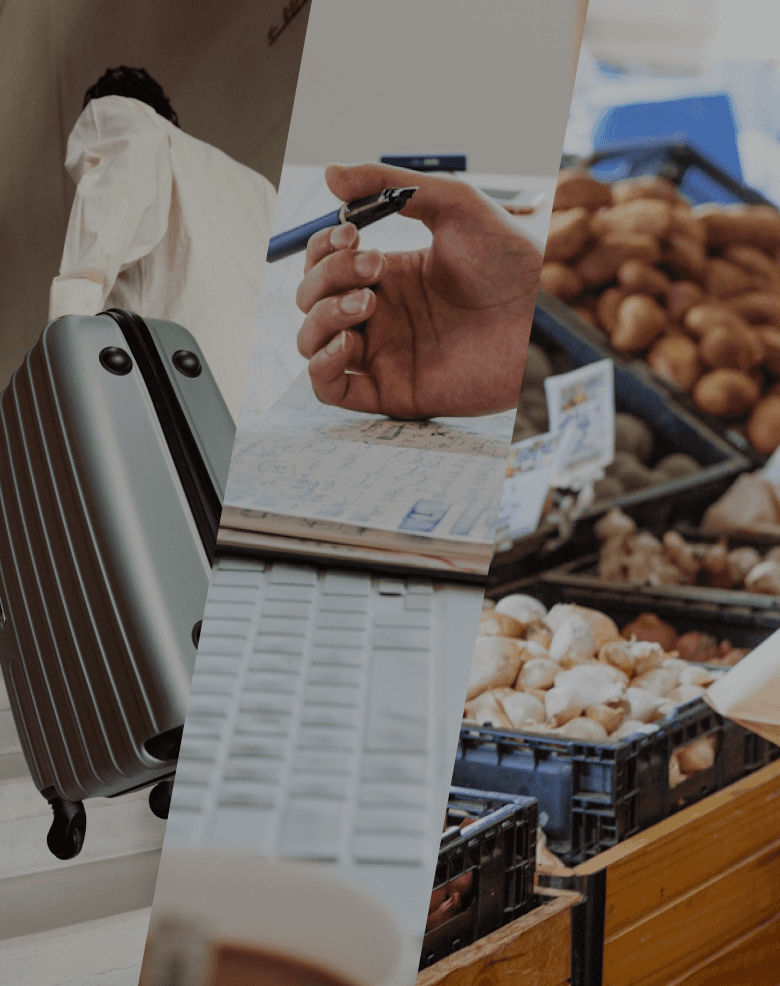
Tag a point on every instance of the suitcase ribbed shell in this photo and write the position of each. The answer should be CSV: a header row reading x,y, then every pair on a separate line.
x,y
102,572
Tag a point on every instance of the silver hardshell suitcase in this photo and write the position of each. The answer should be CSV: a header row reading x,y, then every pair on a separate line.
x,y
115,445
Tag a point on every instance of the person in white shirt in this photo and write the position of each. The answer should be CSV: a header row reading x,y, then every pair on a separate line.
x,y
163,225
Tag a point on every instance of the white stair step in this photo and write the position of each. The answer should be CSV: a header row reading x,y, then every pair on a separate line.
x,y
44,901
119,977
106,952
115,827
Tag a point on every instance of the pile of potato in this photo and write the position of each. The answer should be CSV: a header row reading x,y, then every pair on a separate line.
x,y
571,673
697,290
628,555
634,443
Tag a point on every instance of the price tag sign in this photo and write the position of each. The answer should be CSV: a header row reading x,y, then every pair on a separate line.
x,y
582,403
531,473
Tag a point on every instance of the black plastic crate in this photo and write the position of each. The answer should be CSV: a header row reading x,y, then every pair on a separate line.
x,y
697,177
595,795
500,851
571,343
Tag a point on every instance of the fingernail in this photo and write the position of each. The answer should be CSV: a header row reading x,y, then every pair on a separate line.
x,y
342,237
337,344
368,264
355,303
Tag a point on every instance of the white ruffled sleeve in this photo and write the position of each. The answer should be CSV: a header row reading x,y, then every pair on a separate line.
x,y
119,157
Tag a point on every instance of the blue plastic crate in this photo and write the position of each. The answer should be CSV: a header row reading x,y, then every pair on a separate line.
x,y
595,795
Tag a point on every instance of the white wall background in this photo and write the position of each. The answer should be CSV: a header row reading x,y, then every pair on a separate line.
x,y
228,86
488,78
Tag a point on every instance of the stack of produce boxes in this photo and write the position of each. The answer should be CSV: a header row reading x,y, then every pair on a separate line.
x,y
592,659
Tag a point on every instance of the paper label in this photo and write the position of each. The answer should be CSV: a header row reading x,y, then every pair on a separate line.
x,y
532,472
583,402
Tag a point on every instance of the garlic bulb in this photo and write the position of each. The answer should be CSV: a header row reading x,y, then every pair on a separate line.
x,y
573,639
697,756
538,673
642,704
605,715
496,664
686,693
524,609
647,656
562,705
592,684
558,615
583,729
695,674
676,776
618,655
521,708
495,624
659,682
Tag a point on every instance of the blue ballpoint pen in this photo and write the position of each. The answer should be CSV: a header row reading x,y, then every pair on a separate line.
x,y
361,212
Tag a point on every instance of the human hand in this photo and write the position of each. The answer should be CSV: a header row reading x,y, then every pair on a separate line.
x,y
446,332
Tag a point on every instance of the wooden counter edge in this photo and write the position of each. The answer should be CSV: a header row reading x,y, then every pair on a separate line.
x,y
481,952
667,827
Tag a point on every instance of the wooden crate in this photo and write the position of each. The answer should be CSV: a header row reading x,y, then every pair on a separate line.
x,y
692,901
532,951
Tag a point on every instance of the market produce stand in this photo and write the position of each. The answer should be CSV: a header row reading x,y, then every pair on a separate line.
x,y
693,900
532,951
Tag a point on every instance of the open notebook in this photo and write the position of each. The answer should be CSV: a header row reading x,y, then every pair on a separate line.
x,y
323,482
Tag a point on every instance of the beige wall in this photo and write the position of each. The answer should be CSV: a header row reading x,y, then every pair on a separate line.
x,y
488,78
227,84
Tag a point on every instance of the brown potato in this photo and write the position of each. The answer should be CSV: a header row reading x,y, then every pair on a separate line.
x,y
685,222
727,348
686,258
649,216
763,428
758,307
575,187
726,393
650,627
724,279
676,357
698,647
640,278
568,233
607,308
560,280
770,337
599,265
700,319
640,320
681,297
646,187
757,225
754,262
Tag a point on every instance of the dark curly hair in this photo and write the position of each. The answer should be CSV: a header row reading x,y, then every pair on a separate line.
x,y
136,83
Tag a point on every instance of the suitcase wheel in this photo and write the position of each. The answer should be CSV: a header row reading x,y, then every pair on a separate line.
x,y
160,798
66,835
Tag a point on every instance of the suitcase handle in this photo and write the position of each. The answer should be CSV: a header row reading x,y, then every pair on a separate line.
x,y
205,505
